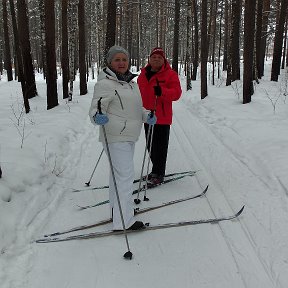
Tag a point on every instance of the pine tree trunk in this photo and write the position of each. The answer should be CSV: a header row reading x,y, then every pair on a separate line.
x,y
24,37
204,52
111,26
65,57
52,97
278,41
249,21
7,54
82,47
196,42
265,17
235,39
176,36
19,57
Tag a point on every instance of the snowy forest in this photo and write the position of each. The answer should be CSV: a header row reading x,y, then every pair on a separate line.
x,y
223,202
75,35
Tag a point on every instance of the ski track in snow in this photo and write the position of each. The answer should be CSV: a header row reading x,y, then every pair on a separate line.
x,y
199,131
230,245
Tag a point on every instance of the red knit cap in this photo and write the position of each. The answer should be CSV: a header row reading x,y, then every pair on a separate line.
x,y
158,51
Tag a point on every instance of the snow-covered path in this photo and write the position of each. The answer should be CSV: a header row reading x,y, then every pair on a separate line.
x,y
251,251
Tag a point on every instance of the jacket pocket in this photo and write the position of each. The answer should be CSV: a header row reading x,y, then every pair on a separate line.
x,y
124,127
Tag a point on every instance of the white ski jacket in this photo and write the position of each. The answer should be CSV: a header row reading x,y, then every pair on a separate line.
x,y
122,103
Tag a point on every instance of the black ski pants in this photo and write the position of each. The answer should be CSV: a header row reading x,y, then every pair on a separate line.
x,y
159,149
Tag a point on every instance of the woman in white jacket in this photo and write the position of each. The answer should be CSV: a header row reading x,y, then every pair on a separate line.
x,y
123,116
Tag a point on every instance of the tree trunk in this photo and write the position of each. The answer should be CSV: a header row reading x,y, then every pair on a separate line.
x,y
285,45
278,41
43,45
7,54
226,36
111,26
213,35
82,47
259,23
188,46
204,51
24,37
19,57
265,18
65,57
196,42
176,36
52,97
249,21
235,39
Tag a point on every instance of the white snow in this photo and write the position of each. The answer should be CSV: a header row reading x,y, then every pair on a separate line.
x,y
241,151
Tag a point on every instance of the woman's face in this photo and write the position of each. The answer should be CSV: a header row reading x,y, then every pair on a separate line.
x,y
120,63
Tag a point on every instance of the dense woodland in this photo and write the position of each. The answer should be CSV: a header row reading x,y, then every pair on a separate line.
x,y
66,37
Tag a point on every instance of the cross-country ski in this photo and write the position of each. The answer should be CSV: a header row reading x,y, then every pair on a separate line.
x,y
137,211
145,228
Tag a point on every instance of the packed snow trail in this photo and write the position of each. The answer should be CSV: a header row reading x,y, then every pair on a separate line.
x,y
234,171
222,255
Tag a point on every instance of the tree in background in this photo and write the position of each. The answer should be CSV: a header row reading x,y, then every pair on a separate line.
x,y
82,47
111,26
7,54
249,21
19,58
278,41
176,37
65,55
204,50
52,96
25,48
195,55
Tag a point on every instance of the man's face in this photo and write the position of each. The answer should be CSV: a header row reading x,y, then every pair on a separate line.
x,y
156,62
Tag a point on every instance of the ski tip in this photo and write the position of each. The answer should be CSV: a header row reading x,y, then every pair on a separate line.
x,y
206,189
240,211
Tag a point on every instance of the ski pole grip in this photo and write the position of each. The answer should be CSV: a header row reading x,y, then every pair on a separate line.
x,y
99,106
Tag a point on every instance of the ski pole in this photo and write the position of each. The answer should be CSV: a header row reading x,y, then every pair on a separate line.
x,y
137,200
148,165
128,254
88,183
150,131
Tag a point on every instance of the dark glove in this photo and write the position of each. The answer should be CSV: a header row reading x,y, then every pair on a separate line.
x,y
157,90
101,119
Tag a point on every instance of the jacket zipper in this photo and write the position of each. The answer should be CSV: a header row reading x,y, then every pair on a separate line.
x,y
116,93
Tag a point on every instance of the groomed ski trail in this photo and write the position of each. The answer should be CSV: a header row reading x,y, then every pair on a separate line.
x,y
243,243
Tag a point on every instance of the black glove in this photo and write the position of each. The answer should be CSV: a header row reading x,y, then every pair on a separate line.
x,y
157,90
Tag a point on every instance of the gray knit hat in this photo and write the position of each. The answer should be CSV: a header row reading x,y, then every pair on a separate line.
x,y
114,50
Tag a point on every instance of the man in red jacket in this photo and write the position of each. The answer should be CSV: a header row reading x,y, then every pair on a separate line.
x,y
159,86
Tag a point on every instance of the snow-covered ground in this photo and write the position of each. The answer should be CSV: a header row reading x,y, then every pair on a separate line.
x,y
241,151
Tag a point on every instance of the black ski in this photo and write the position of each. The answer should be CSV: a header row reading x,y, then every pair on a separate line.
x,y
136,190
146,227
137,211
136,181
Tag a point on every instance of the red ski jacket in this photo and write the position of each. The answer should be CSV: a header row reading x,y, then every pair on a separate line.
x,y
171,91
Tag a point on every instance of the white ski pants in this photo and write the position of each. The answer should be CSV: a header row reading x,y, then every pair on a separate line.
x,y
122,154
